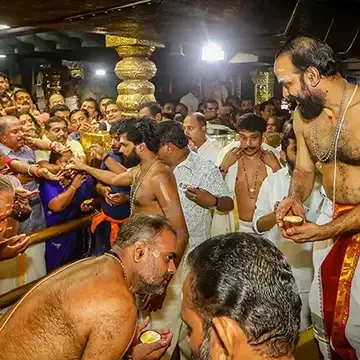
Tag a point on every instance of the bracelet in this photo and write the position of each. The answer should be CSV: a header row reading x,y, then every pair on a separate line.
x,y
8,161
73,187
29,168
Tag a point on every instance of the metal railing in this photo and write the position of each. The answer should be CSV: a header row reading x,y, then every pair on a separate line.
x,y
38,237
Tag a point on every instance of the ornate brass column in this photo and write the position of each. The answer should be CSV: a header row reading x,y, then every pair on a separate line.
x,y
135,69
264,85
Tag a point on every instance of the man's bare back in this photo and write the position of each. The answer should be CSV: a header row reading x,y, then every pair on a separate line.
x,y
254,168
81,312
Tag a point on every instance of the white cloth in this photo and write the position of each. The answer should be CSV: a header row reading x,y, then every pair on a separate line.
x,y
196,172
75,147
246,227
273,189
210,149
321,250
191,101
225,222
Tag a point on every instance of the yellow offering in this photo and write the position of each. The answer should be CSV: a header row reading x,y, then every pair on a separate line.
x,y
149,337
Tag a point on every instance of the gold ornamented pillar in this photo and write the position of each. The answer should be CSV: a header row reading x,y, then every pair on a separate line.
x,y
135,69
264,85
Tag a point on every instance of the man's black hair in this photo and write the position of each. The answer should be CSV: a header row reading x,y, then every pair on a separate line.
x,y
172,132
252,122
154,107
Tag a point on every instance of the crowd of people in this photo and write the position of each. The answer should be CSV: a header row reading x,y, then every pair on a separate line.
x,y
194,227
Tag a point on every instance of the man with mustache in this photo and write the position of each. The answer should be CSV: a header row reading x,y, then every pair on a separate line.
x,y
245,167
56,129
153,185
240,300
195,131
87,310
115,207
326,124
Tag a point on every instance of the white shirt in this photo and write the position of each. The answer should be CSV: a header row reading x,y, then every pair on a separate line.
x,y
198,172
273,189
235,144
210,149
75,147
191,101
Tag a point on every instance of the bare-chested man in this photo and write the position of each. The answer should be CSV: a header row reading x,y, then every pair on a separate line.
x,y
327,129
154,189
87,310
245,167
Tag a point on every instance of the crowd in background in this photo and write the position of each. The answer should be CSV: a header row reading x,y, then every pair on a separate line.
x,y
44,191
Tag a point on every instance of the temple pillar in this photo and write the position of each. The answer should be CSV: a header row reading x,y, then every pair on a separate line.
x,y
264,82
135,70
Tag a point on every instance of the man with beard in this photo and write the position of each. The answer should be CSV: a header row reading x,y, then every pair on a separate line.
x,y
240,300
195,131
211,107
87,310
154,189
115,207
275,188
326,127
56,130
201,190
245,167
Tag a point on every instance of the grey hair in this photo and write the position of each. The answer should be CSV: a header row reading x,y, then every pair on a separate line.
x,y
142,228
4,122
246,278
7,185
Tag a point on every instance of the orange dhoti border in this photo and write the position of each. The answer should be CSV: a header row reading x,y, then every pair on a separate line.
x,y
115,224
337,272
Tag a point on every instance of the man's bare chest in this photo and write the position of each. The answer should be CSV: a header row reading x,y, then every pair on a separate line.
x,y
325,141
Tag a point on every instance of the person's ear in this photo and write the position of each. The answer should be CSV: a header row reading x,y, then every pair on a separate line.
x,y
313,76
158,117
139,251
228,333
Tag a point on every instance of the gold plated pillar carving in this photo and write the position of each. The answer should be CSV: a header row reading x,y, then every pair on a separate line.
x,y
264,85
135,70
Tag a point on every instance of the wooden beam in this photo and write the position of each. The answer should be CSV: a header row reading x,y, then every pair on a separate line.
x,y
63,42
39,44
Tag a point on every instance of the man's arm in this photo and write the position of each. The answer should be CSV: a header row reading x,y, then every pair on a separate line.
x,y
114,166
51,167
264,217
111,333
165,189
106,177
303,177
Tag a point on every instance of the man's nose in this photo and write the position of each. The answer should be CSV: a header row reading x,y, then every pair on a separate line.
x,y
172,267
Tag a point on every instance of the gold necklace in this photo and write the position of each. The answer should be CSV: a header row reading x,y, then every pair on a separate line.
x,y
251,190
137,184
120,262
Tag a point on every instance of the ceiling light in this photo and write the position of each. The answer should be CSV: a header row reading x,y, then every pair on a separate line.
x,y
2,56
3,27
212,52
100,72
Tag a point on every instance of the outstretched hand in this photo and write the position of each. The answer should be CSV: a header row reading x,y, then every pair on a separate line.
x,y
16,245
154,351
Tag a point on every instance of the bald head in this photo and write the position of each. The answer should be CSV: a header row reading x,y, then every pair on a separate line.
x,y
11,132
305,52
195,128
56,99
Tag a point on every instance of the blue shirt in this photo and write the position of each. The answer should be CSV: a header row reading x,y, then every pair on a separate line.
x,y
121,211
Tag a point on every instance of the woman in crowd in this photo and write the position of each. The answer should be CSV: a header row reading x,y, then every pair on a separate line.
x,y
64,202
